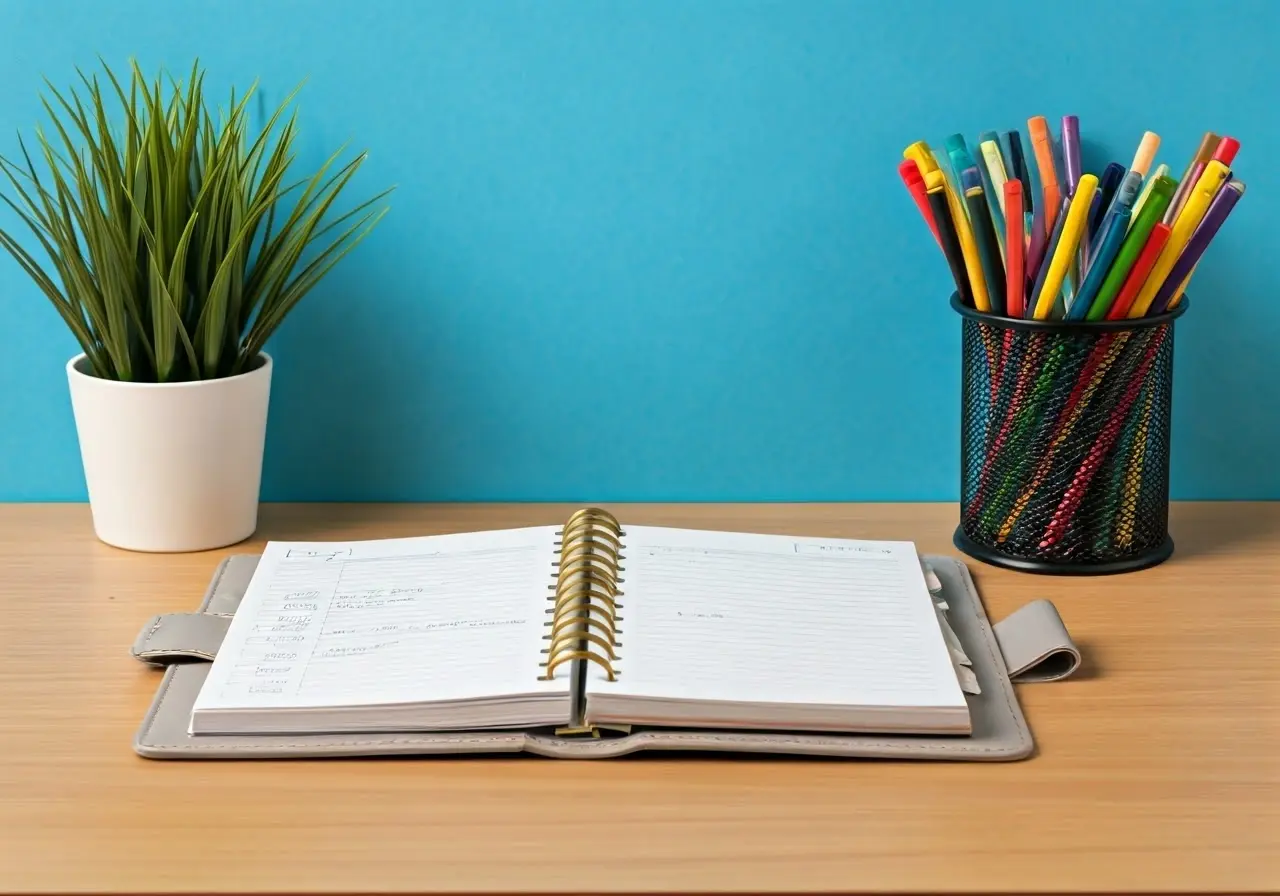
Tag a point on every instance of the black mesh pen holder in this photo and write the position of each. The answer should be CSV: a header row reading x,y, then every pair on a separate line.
x,y
1064,442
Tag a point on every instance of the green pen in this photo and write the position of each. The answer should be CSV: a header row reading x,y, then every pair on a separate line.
x,y
1153,210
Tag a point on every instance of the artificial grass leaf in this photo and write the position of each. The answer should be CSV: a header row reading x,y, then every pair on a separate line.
x,y
171,255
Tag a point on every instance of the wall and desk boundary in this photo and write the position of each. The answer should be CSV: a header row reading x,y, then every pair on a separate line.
x,y
659,251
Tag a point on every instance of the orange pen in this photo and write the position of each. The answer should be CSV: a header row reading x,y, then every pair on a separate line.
x,y
1015,248
909,171
1042,144
1137,277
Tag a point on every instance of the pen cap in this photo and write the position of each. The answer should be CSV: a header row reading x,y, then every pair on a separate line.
x,y
1127,192
1064,442
1208,143
1227,149
958,151
1146,153
920,153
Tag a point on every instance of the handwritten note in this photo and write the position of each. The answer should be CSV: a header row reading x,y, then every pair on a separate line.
x,y
439,618
771,619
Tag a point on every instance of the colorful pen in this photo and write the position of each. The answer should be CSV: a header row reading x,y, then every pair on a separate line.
x,y
985,235
1015,274
1071,151
993,166
1042,144
1204,152
958,151
909,171
968,248
948,239
1175,283
1162,170
1046,257
1068,242
1138,274
1107,245
920,153
1146,153
1141,223
1018,168
1226,151
1125,196
1035,246
1193,209
1107,186
1208,146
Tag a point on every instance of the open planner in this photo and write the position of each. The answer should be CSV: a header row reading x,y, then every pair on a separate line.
x,y
581,627
594,639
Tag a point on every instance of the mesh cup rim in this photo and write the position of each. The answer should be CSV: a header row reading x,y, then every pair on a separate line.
x,y
1069,326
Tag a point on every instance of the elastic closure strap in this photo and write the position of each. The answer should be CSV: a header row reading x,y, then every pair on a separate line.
x,y
1036,644
176,636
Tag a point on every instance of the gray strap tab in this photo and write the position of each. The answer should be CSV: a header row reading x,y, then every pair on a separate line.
x,y
173,636
1036,644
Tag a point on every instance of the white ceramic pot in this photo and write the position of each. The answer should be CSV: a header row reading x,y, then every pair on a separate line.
x,y
172,466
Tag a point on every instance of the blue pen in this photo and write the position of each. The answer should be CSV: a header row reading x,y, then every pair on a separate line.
x,y
1094,219
955,146
958,154
1020,170
1108,184
1108,244
1125,197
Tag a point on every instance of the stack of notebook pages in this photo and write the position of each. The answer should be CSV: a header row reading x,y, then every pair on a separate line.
x,y
589,628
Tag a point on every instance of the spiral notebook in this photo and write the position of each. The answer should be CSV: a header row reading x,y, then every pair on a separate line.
x,y
584,628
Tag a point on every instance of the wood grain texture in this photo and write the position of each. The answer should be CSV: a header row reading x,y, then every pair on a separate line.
x,y
1158,766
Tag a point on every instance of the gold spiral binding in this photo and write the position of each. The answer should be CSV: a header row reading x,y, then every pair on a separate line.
x,y
584,603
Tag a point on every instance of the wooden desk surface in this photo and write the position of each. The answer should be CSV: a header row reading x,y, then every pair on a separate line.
x,y
1159,766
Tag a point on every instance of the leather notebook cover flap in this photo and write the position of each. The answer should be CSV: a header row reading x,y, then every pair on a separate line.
x,y
1031,644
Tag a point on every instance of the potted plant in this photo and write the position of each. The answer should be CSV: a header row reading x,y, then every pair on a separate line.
x,y
177,243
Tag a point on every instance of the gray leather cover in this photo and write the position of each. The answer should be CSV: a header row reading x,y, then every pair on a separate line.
x,y
1032,645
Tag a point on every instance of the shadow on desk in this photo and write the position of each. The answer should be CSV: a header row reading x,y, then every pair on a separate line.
x,y
1218,529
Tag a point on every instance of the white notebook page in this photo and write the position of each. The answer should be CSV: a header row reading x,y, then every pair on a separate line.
x,y
437,618
761,618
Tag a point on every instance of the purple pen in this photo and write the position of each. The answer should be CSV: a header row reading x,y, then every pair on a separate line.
x,y
1071,151
1035,249
1217,212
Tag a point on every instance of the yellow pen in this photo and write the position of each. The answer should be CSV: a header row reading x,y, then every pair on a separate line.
x,y
1069,241
920,153
1162,170
968,247
1177,296
1184,225
928,164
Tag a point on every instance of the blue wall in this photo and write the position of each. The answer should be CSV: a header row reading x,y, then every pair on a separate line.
x,y
659,250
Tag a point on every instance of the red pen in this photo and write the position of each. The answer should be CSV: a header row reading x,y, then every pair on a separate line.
x,y
1015,249
911,176
1226,151
1138,273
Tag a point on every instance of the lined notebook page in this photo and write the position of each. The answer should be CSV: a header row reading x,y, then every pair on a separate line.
x,y
450,617
762,618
